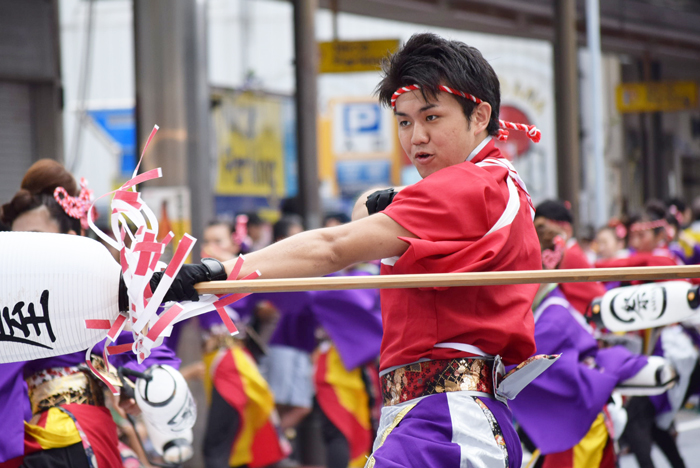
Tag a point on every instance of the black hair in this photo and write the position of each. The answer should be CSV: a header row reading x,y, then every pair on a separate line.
x,y
37,190
222,222
695,208
342,218
607,228
254,219
677,202
280,229
430,61
654,210
554,210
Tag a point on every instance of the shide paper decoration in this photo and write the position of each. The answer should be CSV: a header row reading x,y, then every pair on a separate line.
x,y
60,294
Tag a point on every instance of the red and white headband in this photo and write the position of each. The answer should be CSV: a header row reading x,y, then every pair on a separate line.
x,y
76,207
648,225
532,132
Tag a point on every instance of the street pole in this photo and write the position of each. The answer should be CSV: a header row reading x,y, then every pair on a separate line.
x,y
172,90
567,107
596,99
306,69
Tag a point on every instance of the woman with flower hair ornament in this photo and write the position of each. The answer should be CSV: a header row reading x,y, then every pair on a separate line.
x,y
67,423
470,212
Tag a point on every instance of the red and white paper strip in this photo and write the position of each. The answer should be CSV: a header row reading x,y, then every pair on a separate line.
x,y
140,254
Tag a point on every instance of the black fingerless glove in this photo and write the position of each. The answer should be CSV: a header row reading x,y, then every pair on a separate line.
x,y
182,288
379,200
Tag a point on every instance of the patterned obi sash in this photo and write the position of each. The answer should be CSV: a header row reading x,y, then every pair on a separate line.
x,y
430,377
484,375
57,386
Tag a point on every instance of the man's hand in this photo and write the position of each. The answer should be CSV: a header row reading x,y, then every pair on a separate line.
x,y
128,405
182,288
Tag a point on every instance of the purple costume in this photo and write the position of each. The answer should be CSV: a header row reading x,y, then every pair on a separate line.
x,y
352,319
14,404
434,423
159,355
297,324
15,409
557,409
682,254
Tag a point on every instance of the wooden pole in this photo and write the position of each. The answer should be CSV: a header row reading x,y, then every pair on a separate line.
x,y
490,278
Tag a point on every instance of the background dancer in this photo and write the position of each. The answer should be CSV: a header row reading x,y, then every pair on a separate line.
x,y
579,295
562,411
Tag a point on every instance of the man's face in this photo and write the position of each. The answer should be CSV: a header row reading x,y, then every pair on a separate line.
x,y
255,231
546,231
436,134
607,244
564,228
644,241
218,243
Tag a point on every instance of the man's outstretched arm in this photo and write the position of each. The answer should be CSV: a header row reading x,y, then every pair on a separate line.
x,y
323,251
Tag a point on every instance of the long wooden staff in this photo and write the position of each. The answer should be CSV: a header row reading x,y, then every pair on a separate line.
x,y
490,278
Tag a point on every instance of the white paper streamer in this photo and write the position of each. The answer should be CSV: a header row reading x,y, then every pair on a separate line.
x,y
140,254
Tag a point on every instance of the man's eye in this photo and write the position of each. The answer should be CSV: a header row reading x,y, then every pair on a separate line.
x,y
404,123
431,117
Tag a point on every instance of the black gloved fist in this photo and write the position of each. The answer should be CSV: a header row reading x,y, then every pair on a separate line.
x,y
182,288
379,200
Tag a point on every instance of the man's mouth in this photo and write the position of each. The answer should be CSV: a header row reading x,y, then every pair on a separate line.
x,y
422,156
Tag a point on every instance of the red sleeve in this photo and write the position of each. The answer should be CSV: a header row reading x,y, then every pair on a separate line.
x,y
574,258
636,260
457,203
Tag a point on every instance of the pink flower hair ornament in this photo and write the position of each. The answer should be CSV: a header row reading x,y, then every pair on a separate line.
x,y
76,207
552,257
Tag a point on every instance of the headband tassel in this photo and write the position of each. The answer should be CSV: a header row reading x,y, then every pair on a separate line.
x,y
532,132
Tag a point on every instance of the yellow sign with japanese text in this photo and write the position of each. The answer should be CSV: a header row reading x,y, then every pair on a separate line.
x,y
354,56
657,96
249,130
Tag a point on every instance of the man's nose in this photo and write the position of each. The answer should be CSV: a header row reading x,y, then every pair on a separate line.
x,y
420,135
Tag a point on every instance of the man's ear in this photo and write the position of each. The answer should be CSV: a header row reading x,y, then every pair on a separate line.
x,y
481,117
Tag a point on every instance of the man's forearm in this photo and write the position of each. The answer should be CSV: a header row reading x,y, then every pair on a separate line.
x,y
310,253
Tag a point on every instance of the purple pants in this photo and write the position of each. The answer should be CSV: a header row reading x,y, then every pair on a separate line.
x,y
456,429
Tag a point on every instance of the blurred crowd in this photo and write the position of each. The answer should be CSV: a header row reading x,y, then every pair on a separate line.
x,y
662,234
673,231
